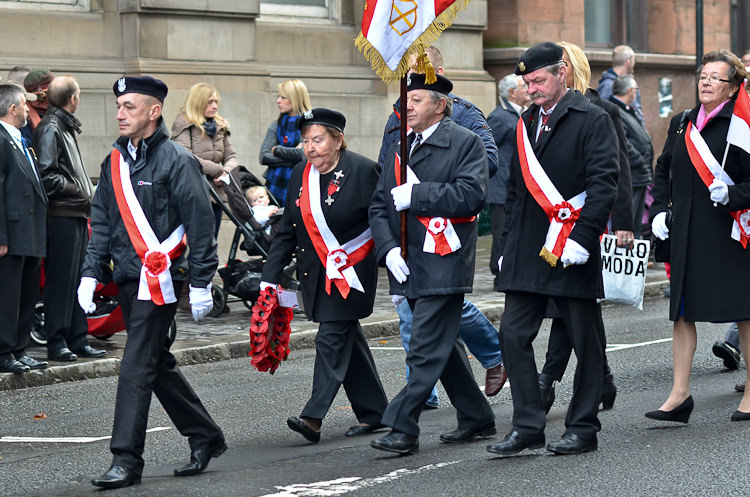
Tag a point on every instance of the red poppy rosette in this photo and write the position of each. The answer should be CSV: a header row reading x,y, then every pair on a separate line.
x,y
269,332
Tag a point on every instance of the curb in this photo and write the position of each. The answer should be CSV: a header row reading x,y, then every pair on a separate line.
x,y
101,368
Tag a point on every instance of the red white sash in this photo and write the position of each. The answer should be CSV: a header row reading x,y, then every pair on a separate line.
x,y
440,238
708,168
562,214
338,259
156,281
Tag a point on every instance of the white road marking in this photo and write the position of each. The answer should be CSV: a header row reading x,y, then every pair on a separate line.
x,y
622,346
75,440
346,485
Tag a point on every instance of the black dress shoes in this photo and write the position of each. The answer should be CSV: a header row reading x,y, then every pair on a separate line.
x,y
494,380
61,355
13,366
303,429
117,477
729,354
680,414
570,443
397,442
466,435
514,442
200,458
32,363
89,351
357,430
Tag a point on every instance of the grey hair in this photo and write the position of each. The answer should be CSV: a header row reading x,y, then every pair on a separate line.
x,y
623,84
621,54
509,82
10,94
436,96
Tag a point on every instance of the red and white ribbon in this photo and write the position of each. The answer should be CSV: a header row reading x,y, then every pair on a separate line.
x,y
338,259
708,169
561,213
156,280
440,237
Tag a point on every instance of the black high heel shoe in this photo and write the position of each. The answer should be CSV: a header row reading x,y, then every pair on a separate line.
x,y
679,414
609,392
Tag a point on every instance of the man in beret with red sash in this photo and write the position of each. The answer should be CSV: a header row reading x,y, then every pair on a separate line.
x,y
562,185
151,200
445,188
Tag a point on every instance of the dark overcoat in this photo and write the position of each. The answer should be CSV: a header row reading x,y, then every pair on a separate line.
x,y
347,218
708,268
579,152
23,203
452,167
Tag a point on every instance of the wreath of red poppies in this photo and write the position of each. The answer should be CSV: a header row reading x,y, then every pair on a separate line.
x,y
269,332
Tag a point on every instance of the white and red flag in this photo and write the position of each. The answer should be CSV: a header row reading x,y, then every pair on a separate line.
x,y
393,30
739,127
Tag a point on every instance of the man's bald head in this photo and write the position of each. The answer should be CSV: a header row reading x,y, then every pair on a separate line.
x,y
64,93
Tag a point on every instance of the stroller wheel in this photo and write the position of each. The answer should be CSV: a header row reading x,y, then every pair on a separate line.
x,y
220,301
38,330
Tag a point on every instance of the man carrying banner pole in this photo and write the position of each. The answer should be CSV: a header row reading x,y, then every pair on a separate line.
x,y
562,185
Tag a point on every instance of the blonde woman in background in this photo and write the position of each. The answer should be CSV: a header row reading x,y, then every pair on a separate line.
x,y
200,129
282,148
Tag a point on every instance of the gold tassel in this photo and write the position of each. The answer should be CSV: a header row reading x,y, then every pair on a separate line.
x,y
548,257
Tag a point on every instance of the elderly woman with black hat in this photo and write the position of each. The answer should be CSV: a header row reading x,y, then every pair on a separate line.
x,y
326,216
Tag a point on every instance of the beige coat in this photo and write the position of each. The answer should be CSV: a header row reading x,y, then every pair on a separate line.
x,y
216,155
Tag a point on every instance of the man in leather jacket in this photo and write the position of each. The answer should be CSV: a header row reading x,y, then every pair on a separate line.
x,y
69,192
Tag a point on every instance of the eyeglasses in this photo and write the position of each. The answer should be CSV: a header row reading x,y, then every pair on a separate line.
x,y
713,79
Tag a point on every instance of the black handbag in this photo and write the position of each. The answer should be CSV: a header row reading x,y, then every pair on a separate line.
x,y
662,247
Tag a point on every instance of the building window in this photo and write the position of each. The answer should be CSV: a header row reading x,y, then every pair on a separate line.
x,y
293,10
47,5
616,22
739,13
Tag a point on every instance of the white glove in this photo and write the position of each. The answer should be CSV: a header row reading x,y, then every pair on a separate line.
x,y
396,264
659,226
201,301
402,196
500,264
397,299
86,294
719,192
265,284
573,253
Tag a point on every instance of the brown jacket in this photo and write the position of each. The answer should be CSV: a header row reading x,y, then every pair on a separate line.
x,y
216,155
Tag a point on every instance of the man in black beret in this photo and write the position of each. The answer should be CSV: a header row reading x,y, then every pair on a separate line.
x,y
151,194
445,190
561,188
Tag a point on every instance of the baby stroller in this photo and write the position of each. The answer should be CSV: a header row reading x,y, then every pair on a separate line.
x,y
239,278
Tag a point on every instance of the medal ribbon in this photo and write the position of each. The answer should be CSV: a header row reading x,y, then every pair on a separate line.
x,y
338,259
708,169
155,282
441,237
562,214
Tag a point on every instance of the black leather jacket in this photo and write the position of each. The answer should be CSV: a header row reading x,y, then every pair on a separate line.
x,y
168,183
68,186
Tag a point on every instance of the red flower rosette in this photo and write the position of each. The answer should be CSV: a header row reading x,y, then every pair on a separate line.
x,y
564,212
156,262
269,332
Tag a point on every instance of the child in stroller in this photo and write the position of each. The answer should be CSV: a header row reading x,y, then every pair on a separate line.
x,y
263,212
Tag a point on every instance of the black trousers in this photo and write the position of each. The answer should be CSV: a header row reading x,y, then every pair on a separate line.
x,y
18,293
497,223
559,349
436,353
65,321
520,324
148,366
342,357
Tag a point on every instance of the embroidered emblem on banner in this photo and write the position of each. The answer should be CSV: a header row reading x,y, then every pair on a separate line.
x,y
403,16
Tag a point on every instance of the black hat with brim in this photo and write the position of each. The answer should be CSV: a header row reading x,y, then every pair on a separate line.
x,y
541,55
325,117
416,81
145,85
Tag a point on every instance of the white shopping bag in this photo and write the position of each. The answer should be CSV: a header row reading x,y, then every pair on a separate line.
x,y
624,271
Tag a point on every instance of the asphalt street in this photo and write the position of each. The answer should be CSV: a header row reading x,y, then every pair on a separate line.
x,y
636,456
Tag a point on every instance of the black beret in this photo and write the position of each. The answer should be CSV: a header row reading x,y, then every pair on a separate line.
x,y
141,84
541,55
325,117
416,81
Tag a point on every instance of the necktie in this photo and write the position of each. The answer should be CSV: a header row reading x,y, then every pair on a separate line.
x,y
417,142
24,145
545,118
